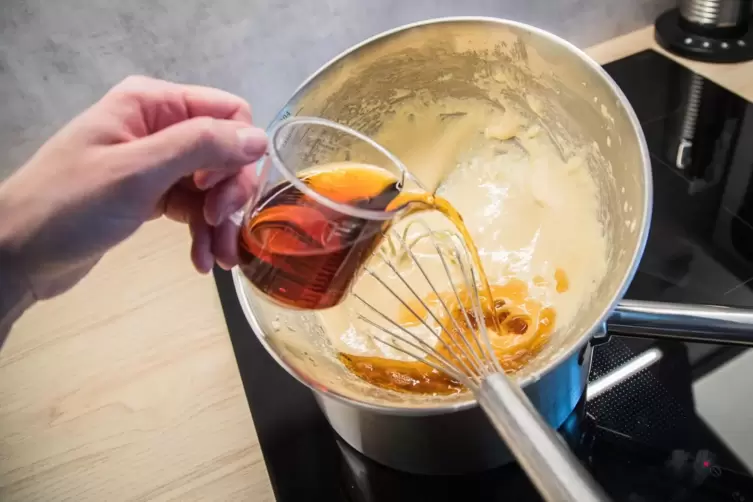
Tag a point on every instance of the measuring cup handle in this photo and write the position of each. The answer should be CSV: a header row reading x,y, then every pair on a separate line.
x,y
681,322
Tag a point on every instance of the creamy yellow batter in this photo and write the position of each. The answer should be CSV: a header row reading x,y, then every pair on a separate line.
x,y
532,213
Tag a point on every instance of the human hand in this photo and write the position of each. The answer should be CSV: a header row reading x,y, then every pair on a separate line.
x,y
147,148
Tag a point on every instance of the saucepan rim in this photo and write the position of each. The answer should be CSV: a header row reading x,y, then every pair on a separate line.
x,y
563,355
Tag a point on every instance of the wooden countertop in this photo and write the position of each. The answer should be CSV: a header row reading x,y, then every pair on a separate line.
x,y
738,78
126,388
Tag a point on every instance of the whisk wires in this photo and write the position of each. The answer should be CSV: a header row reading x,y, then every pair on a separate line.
x,y
456,341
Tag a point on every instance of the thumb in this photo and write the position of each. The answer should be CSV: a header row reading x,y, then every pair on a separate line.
x,y
202,142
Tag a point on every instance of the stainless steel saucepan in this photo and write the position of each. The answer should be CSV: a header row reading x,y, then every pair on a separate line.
x,y
502,64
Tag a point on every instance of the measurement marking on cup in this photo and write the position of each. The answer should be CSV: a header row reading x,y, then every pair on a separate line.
x,y
622,373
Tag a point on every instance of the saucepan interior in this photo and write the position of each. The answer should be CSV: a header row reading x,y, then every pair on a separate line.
x,y
506,65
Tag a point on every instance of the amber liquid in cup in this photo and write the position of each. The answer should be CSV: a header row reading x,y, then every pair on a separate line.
x,y
304,254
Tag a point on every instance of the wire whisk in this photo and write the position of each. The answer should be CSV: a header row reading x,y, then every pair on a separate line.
x,y
465,360
435,285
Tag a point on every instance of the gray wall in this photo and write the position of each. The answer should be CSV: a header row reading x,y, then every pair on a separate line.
x,y
57,56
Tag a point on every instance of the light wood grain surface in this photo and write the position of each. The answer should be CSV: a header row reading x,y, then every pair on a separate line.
x,y
126,387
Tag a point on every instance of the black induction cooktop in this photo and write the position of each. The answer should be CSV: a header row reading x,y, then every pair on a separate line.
x,y
679,426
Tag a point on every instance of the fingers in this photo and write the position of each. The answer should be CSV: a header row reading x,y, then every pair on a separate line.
x,y
191,148
165,157
207,101
230,195
201,247
186,206
207,178
225,244
219,203
210,243
177,102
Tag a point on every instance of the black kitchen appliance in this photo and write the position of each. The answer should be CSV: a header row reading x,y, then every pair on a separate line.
x,y
716,31
661,421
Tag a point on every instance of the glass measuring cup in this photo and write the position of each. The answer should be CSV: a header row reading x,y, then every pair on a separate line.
x,y
321,208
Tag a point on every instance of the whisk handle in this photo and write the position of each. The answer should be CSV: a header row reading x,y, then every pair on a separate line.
x,y
549,463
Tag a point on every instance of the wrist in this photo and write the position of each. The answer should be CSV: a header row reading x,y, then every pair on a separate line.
x,y
16,294
15,297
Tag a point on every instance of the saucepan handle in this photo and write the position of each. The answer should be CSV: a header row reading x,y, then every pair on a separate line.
x,y
681,322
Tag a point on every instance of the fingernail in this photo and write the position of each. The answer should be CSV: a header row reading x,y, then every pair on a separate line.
x,y
229,211
253,140
223,265
237,217
202,268
207,266
216,218
209,180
